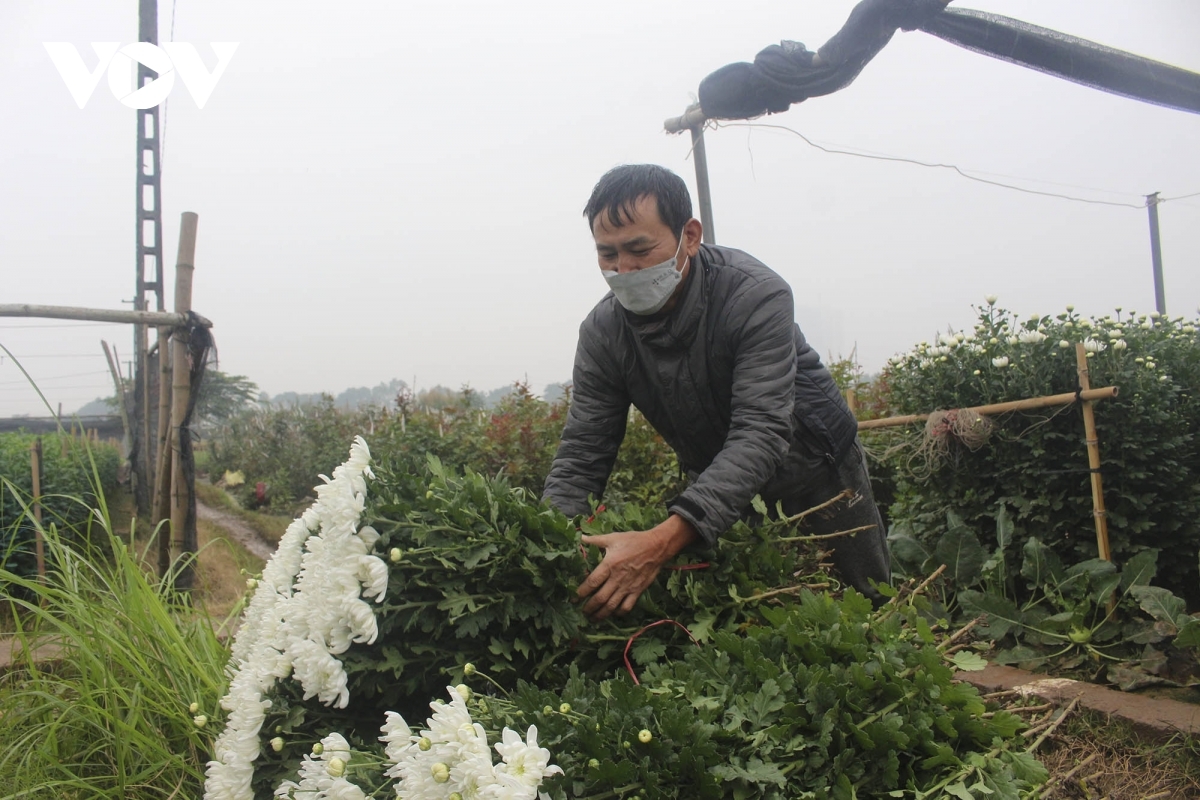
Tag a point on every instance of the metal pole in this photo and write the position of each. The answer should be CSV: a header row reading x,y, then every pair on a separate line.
x,y
1160,294
702,188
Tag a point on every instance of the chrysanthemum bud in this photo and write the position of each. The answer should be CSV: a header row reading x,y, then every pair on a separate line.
x,y
199,720
318,748
565,708
594,763
395,554
251,584
424,743
336,767
440,772
277,744
644,736
194,707
468,669
547,710
463,691
991,299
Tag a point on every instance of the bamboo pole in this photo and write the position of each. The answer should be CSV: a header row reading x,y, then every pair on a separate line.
x,y
161,503
1088,395
35,465
116,376
180,394
1093,451
168,318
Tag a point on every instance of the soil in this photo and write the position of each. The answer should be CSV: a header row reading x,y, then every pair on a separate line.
x,y
239,531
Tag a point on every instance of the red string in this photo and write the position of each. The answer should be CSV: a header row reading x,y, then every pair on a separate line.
x,y
632,639
685,567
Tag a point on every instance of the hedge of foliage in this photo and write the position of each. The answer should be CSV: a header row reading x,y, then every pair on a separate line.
x,y
285,447
1035,464
69,483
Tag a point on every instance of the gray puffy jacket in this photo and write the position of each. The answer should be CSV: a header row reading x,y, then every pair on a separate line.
x,y
726,378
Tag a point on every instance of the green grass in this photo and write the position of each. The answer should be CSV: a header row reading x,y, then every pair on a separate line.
x,y
106,714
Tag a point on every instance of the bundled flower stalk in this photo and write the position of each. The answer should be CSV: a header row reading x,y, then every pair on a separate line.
x,y
309,606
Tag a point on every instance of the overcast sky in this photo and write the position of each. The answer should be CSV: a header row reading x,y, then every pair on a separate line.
x,y
393,189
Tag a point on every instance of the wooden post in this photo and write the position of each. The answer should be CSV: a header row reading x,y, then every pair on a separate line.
x,y
1093,451
162,477
35,464
852,401
181,491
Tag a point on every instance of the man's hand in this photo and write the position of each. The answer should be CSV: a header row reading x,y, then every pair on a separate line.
x,y
631,562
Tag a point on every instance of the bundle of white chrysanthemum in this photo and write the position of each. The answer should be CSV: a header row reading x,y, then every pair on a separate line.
x,y
307,608
452,758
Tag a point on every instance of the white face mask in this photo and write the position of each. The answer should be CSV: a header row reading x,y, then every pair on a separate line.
x,y
646,291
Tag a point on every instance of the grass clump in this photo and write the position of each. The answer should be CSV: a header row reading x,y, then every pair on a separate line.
x,y
106,664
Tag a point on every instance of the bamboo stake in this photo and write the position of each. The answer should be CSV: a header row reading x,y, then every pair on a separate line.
x,y
1002,408
35,465
1093,451
180,394
94,314
116,376
161,503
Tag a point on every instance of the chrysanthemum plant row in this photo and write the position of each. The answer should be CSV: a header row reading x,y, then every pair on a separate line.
x,y
399,588
1035,464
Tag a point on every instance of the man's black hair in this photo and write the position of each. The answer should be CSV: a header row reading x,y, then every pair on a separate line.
x,y
620,188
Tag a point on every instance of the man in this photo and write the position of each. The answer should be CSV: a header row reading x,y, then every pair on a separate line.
x,y
703,341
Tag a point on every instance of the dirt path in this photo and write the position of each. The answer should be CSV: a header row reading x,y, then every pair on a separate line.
x,y
239,531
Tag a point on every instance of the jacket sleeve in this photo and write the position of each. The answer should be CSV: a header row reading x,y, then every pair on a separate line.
x,y
762,329
594,430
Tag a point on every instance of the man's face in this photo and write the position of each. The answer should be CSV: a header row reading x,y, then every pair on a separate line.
x,y
644,241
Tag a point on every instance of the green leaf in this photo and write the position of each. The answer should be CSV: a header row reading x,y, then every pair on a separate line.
x,y
960,551
759,506
1140,569
1004,528
1159,603
1002,613
960,790
969,661
909,554
1189,634
1041,566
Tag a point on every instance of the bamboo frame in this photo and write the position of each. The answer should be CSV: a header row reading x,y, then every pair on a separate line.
x,y
160,503
181,389
1093,451
167,318
1066,398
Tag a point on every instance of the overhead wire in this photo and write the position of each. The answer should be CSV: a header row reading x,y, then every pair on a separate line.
x,y
954,168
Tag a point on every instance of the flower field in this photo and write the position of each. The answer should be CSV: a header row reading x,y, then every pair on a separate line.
x,y
414,635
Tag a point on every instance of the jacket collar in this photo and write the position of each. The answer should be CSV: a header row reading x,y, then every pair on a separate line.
x,y
676,329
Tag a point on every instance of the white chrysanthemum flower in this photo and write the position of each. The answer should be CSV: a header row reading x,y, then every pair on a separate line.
x,y
524,761
322,778
1094,345
1000,362
1031,337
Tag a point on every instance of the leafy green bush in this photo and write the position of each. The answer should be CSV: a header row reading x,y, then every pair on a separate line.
x,y
68,491
1034,464
782,694
286,447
